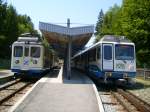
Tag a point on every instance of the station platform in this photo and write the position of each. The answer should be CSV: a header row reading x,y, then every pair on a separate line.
x,y
55,93
5,75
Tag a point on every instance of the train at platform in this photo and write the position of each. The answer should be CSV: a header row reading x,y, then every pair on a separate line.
x,y
30,57
112,58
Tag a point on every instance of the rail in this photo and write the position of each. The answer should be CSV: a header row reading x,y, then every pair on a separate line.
x,y
12,94
138,103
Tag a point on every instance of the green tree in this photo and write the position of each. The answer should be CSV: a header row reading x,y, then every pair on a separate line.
x,y
3,7
109,24
132,20
135,25
11,26
25,24
99,22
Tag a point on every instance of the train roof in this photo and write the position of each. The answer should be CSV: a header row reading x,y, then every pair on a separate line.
x,y
113,38
28,38
107,39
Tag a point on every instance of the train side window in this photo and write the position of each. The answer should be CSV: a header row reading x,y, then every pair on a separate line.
x,y
94,68
35,52
99,52
18,51
92,54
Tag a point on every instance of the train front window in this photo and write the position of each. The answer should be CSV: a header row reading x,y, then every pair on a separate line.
x,y
18,51
26,51
35,52
124,52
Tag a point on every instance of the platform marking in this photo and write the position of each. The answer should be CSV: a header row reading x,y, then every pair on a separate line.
x,y
100,105
60,80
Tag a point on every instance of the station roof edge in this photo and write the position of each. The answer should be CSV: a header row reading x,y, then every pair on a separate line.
x,y
65,30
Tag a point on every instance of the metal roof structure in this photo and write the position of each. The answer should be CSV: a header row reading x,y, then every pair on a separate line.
x,y
58,36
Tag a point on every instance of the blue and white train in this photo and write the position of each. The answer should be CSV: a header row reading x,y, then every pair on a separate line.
x,y
29,57
112,58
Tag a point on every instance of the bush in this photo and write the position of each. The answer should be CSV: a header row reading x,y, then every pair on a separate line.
x,y
5,63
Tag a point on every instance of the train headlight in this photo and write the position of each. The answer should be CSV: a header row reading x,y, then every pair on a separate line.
x,y
34,61
108,74
17,61
131,67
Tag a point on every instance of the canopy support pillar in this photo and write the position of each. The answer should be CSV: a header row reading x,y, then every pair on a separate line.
x,y
69,53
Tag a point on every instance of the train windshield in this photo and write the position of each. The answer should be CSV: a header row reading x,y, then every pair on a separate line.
x,y
35,52
124,52
18,51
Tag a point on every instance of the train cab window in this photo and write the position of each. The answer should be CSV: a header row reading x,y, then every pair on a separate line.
x,y
18,51
108,52
26,51
35,52
124,52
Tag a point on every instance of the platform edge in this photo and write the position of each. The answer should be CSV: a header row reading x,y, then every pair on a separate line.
x,y
12,109
100,105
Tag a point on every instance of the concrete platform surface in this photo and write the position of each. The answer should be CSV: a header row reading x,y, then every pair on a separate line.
x,y
5,73
60,98
50,95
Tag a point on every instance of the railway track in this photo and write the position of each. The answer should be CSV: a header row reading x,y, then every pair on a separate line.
x,y
9,91
110,103
9,84
119,100
131,102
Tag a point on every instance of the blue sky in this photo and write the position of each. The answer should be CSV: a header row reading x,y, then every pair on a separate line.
x,y
57,11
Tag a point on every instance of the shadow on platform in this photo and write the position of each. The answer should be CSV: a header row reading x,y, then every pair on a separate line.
x,y
53,73
76,78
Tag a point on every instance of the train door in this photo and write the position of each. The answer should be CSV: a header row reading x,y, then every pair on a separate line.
x,y
26,58
107,57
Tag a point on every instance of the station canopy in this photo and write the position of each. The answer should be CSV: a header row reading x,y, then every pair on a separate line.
x,y
58,36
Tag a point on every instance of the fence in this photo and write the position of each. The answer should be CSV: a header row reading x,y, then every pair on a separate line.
x,y
4,64
143,72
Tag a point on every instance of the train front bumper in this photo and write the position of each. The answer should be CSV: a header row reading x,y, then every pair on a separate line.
x,y
28,73
119,75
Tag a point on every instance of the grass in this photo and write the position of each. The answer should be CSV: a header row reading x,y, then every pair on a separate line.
x,y
2,69
144,82
140,83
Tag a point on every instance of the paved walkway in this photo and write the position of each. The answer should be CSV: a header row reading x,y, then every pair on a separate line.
x,y
55,93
